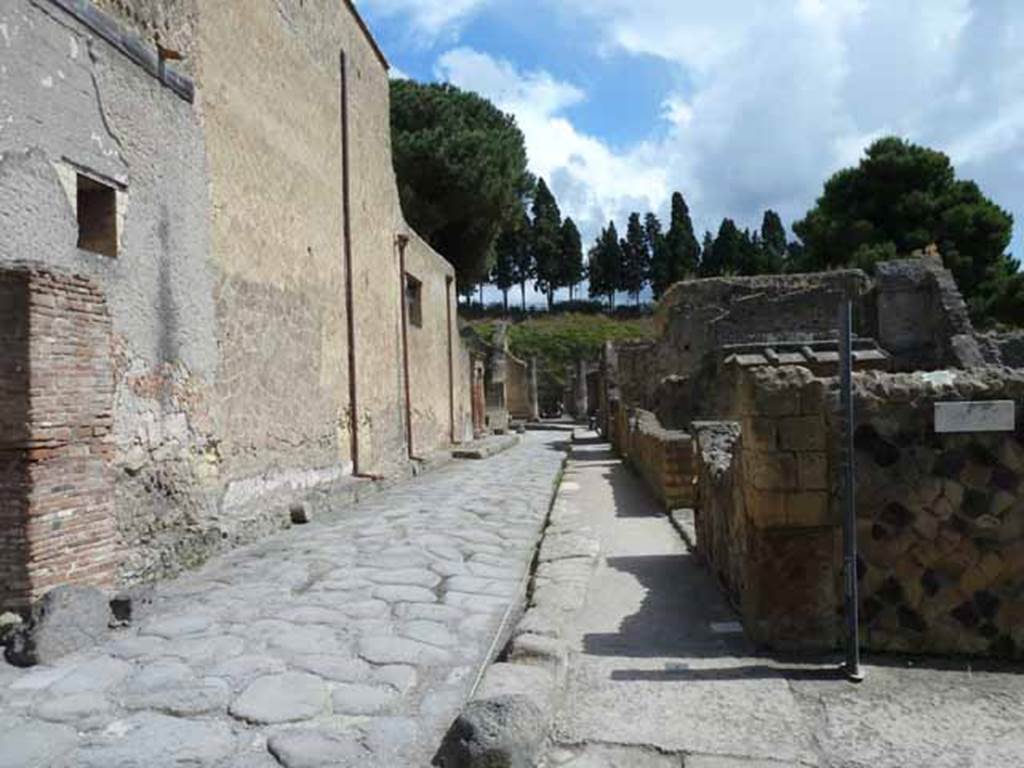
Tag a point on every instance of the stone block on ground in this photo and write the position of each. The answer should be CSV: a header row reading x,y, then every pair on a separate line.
x,y
502,732
66,619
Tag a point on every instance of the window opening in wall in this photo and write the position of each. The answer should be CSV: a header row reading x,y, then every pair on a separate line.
x,y
97,216
414,300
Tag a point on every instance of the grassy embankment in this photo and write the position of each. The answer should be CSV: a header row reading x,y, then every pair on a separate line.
x,y
559,340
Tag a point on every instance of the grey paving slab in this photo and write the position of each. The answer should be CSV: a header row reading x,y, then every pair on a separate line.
x,y
341,642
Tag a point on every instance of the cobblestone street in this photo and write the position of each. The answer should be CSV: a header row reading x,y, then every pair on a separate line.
x,y
349,641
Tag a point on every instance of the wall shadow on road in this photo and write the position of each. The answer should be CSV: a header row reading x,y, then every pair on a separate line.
x,y
743,672
675,616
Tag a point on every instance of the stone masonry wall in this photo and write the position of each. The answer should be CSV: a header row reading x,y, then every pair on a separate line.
x,y
664,458
517,389
789,540
58,519
940,518
227,293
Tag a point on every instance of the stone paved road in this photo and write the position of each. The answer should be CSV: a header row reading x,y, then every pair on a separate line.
x,y
350,641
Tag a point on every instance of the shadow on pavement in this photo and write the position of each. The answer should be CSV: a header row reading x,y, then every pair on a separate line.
x,y
675,617
743,672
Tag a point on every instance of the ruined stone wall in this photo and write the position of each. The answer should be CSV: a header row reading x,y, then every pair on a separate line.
x,y
788,542
720,516
940,522
58,511
664,458
697,316
74,105
940,518
517,389
921,318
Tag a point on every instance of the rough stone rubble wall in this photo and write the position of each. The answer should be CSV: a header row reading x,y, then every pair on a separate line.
x,y
57,515
664,458
940,518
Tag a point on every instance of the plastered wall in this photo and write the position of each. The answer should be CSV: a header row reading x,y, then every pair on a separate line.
x,y
229,295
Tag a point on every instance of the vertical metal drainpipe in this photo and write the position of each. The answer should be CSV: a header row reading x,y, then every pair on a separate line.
x,y
349,273
448,282
402,241
848,472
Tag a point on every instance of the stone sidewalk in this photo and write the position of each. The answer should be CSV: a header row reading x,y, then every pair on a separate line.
x,y
351,641
659,676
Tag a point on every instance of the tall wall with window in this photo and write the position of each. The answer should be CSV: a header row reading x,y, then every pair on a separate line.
x,y
237,212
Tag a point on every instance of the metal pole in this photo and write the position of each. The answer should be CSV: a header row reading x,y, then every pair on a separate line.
x,y
847,466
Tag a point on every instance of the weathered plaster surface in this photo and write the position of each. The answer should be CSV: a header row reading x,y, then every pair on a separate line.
x,y
228,294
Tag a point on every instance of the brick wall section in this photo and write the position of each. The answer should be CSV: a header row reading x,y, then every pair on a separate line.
x,y
63,487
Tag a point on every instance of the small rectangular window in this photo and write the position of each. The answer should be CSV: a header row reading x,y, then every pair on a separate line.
x,y
414,300
97,216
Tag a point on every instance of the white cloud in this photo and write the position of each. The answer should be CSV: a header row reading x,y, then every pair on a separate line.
x,y
779,94
429,20
773,96
592,182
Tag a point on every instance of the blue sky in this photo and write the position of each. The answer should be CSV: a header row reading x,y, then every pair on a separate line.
x,y
741,105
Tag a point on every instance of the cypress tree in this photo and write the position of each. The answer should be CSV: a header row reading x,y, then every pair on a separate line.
x,y
546,243
635,259
572,255
682,248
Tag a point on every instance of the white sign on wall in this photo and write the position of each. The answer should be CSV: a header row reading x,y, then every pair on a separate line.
x,y
975,416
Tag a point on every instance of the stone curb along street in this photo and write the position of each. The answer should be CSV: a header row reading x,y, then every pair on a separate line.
x,y
509,715
352,640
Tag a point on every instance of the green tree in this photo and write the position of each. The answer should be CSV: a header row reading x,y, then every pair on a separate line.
x,y
657,247
707,254
635,259
726,253
683,250
512,244
902,197
605,264
522,266
461,169
773,241
751,254
572,255
546,242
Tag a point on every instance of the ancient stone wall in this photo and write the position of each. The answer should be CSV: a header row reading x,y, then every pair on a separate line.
x,y
437,387
55,368
697,316
787,543
940,517
921,318
225,266
940,523
517,388
664,458
78,112
720,516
